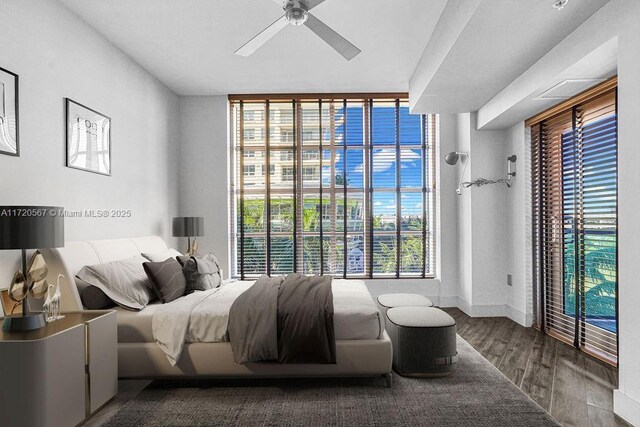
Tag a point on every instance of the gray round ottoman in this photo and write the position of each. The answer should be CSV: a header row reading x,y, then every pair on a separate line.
x,y
424,341
387,301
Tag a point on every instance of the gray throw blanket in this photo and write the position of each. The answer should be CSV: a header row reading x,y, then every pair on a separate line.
x,y
284,319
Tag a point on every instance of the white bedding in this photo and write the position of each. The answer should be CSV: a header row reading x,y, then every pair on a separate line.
x,y
203,316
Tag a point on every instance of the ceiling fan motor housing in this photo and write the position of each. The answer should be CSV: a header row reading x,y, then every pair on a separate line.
x,y
296,12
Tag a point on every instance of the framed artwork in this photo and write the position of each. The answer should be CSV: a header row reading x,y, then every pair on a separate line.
x,y
88,139
9,135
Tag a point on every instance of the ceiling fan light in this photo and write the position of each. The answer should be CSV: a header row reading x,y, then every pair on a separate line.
x,y
296,14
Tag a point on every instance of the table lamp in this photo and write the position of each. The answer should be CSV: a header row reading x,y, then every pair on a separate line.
x,y
29,227
189,226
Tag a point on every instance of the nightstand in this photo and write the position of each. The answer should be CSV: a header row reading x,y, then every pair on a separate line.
x,y
60,374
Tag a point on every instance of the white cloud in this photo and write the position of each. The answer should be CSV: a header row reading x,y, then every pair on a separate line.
x,y
383,159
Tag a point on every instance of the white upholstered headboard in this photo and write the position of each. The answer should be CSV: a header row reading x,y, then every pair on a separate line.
x,y
75,255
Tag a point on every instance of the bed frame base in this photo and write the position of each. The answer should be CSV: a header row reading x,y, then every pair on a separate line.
x,y
357,358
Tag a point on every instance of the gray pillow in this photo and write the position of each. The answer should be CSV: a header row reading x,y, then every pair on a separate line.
x,y
162,255
202,273
167,279
124,281
93,298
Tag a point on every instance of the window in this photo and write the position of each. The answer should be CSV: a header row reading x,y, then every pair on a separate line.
x,y
249,170
253,115
287,135
310,135
253,134
310,155
287,174
350,193
310,173
574,176
286,155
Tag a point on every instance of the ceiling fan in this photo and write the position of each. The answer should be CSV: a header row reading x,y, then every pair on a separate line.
x,y
296,12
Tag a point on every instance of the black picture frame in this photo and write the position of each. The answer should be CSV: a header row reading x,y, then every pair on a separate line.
x,y
16,105
69,105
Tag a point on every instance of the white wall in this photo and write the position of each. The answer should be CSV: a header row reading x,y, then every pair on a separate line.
x,y
627,397
464,212
447,215
57,55
204,189
517,226
489,234
482,217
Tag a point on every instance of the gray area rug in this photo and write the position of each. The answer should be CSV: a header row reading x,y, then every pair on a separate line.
x,y
476,394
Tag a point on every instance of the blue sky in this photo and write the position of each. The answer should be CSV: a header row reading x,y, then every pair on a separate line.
x,y
384,156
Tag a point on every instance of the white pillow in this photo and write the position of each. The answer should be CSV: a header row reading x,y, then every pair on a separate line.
x,y
124,281
162,255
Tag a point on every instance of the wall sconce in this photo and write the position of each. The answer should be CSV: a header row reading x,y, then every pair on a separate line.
x,y
453,157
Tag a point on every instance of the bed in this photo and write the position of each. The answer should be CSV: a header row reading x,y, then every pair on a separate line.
x,y
363,347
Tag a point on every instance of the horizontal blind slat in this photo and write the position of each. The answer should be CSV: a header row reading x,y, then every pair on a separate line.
x,y
574,204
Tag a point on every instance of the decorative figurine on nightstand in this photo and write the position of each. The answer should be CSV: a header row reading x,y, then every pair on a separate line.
x,y
51,305
55,301
46,307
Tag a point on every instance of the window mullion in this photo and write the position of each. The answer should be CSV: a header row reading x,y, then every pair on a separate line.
x,y
398,195
426,168
267,159
241,175
344,185
320,189
580,228
576,245
368,185
332,208
298,202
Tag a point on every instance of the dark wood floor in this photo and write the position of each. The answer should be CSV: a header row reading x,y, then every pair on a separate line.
x,y
576,389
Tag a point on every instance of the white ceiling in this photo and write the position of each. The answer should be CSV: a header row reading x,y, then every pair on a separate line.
x,y
189,44
501,40
598,64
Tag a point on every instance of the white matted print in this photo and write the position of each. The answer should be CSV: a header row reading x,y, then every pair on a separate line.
x,y
88,139
9,138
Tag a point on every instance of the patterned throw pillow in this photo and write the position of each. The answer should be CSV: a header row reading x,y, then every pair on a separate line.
x,y
167,279
202,273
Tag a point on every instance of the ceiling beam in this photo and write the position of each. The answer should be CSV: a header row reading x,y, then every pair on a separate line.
x,y
513,103
452,22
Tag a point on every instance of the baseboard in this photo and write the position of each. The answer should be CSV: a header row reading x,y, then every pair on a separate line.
x,y
487,310
626,407
446,301
524,319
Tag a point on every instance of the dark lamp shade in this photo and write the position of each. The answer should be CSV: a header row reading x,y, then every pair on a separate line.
x,y
31,227
188,226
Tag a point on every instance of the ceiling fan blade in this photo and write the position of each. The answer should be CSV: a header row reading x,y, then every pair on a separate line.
x,y
313,3
264,36
333,39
